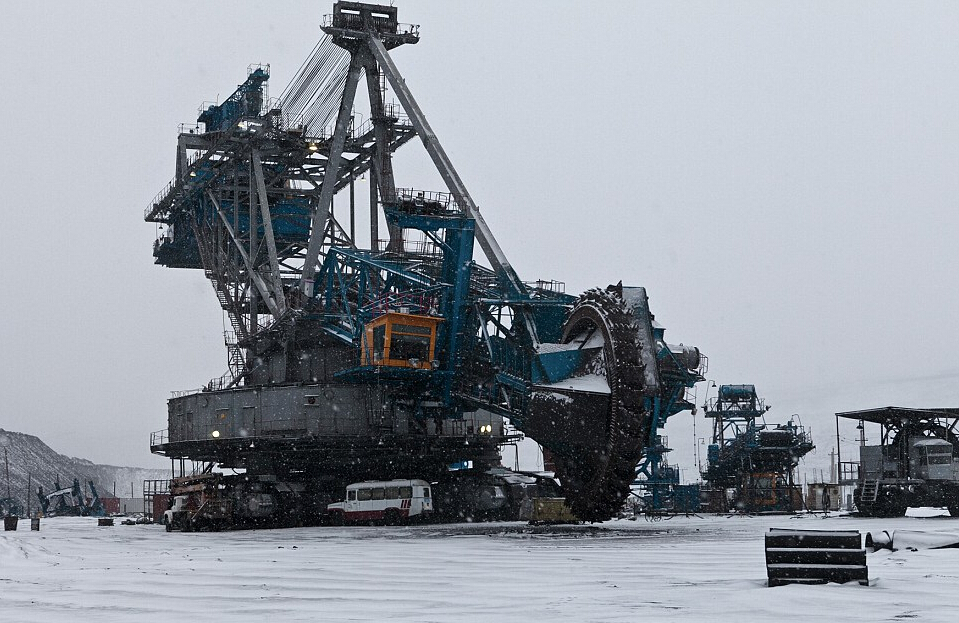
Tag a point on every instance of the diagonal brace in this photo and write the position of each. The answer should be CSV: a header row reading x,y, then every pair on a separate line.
x,y
278,297
318,229
258,282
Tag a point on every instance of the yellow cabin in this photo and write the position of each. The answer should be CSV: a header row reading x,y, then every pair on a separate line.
x,y
400,340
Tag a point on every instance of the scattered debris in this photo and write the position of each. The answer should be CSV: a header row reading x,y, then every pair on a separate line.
x,y
912,540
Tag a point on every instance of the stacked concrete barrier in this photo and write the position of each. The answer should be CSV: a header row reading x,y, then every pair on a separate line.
x,y
815,557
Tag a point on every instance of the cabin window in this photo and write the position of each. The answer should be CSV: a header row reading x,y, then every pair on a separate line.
x,y
376,494
351,496
412,329
364,495
406,492
392,493
407,347
426,492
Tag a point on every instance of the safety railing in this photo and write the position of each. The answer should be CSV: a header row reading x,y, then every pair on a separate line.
x,y
189,128
426,202
348,21
849,472
180,393
547,285
357,132
154,207
202,108
403,302
415,247
219,383
390,110
159,438
264,67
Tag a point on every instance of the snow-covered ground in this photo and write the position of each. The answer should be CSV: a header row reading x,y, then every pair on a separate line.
x,y
681,569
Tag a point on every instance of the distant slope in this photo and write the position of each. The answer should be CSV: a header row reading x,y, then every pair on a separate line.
x,y
28,455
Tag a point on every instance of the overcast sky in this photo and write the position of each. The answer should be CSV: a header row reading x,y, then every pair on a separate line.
x,y
783,178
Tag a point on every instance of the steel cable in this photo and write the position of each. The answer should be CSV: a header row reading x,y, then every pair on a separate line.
x,y
311,86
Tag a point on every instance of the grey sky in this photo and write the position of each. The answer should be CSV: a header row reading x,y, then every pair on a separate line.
x,y
782,177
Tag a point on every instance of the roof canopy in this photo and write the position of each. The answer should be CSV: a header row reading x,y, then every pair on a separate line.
x,y
883,415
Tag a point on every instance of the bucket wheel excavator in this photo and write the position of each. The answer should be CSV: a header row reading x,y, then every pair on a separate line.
x,y
404,358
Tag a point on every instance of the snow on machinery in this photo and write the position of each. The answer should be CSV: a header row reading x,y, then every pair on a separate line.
x,y
753,460
402,359
915,463
71,501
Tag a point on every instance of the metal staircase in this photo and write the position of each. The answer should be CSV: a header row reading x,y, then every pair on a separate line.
x,y
870,491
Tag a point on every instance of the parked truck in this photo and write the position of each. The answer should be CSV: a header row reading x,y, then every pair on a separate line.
x,y
199,502
914,463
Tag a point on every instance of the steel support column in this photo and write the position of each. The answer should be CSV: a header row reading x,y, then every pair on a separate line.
x,y
261,285
278,298
318,228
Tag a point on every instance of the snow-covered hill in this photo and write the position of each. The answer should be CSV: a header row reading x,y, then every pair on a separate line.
x,y
31,459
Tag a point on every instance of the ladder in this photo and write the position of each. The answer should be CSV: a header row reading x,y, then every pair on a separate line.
x,y
870,491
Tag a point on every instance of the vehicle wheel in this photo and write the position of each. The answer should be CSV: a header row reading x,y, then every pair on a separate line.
x,y
954,510
891,503
169,526
391,517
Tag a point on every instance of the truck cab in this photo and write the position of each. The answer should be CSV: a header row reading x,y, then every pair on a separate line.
x,y
931,458
179,507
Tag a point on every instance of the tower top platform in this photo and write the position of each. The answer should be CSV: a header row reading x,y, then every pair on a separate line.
x,y
355,21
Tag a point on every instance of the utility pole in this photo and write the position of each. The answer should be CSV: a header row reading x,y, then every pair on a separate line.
x,y
832,465
5,441
6,464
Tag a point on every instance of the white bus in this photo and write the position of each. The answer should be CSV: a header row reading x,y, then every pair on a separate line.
x,y
383,501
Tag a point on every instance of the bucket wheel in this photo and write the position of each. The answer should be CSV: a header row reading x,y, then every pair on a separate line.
x,y
597,426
